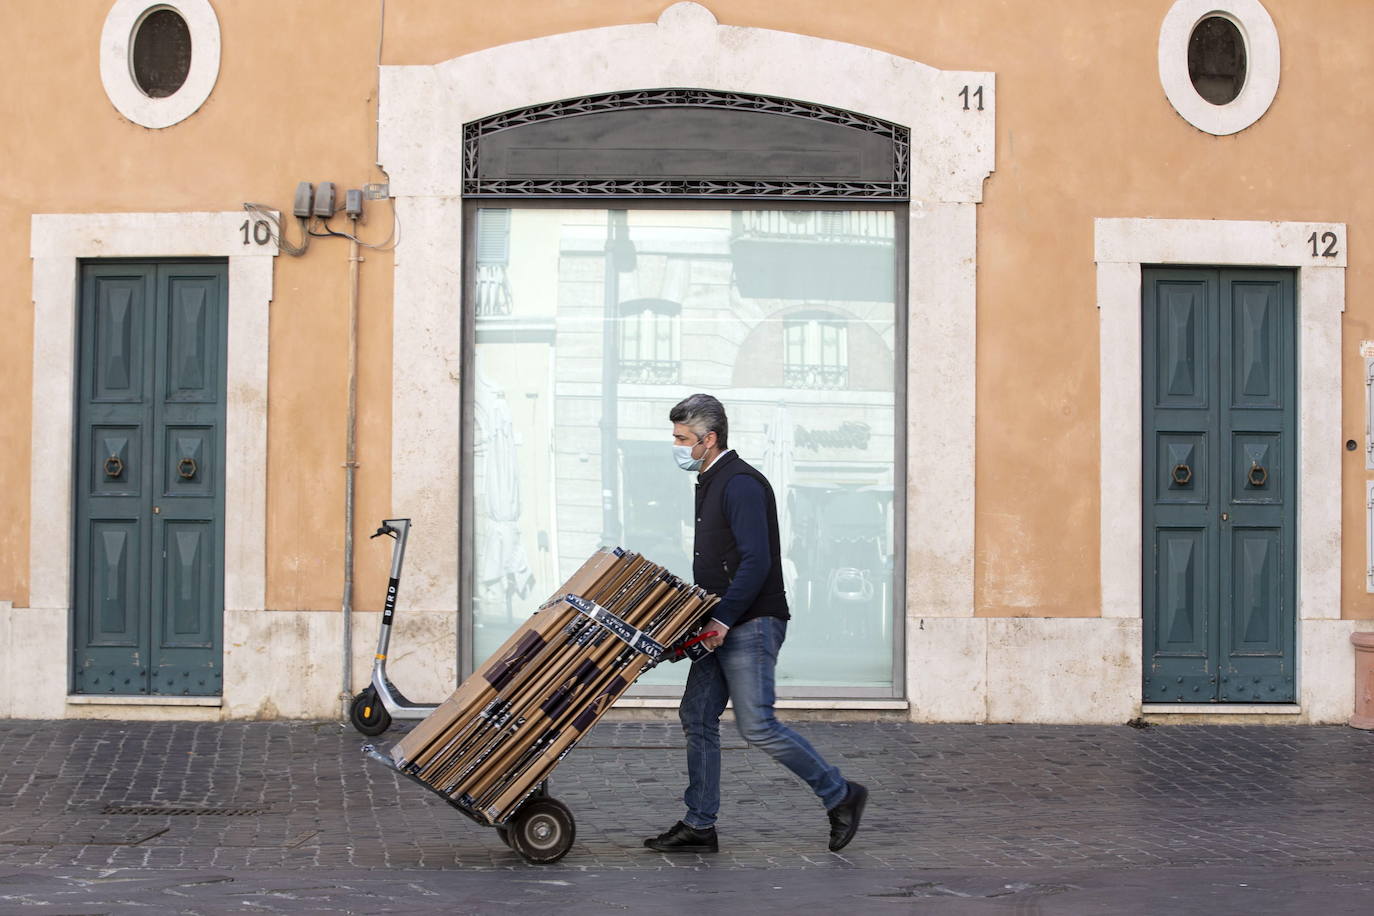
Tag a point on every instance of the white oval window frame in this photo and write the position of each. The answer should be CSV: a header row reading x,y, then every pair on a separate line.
x,y
1262,64
116,63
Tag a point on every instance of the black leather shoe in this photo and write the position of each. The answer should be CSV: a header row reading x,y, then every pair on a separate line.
x,y
681,838
844,817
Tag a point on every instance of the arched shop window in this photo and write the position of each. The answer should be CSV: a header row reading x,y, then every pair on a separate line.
x,y
662,242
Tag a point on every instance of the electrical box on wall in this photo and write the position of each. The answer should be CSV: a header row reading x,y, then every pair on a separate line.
x,y
353,203
305,199
324,200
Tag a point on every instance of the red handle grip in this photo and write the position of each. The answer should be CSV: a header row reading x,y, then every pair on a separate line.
x,y
696,639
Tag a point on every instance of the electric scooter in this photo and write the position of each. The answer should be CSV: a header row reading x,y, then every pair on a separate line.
x,y
376,705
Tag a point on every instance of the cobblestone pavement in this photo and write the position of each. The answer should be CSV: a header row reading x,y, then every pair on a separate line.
x,y
1023,816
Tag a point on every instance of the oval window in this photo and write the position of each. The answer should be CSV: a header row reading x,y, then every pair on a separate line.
x,y
1216,60
161,54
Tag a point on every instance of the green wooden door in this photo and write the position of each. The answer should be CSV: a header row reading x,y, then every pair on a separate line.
x,y
148,600
1219,398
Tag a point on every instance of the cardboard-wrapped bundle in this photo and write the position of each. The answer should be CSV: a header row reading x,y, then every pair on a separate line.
x,y
504,729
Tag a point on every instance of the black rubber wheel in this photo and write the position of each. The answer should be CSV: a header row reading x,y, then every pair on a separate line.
x,y
367,714
543,831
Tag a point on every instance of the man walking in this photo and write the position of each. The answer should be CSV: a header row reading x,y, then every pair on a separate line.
x,y
738,556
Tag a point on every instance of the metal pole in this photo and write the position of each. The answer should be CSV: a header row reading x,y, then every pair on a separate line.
x,y
617,235
350,468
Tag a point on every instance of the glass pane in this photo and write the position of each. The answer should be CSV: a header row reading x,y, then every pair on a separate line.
x,y
1216,60
161,55
787,316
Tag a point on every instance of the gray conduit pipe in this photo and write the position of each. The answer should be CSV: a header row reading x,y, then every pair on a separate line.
x,y
350,468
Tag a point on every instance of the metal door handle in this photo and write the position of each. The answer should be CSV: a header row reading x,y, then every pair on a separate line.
x,y
114,466
1257,475
186,467
1182,474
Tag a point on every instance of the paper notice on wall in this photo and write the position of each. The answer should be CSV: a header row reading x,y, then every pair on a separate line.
x,y
1367,348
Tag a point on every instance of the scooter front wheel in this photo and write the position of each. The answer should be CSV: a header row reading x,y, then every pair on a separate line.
x,y
367,714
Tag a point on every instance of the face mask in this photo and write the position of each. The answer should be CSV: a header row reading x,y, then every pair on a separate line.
x,y
682,454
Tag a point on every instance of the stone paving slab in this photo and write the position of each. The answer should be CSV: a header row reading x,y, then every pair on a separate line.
x,y
277,798
1206,891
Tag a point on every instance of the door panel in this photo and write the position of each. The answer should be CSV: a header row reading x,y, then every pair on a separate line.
x,y
148,602
193,339
188,573
118,342
1256,349
116,593
1183,603
1183,368
1219,572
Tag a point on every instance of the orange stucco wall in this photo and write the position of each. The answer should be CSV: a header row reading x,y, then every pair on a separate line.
x,y
277,116
1084,130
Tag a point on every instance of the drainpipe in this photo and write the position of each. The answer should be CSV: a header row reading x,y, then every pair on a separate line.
x,y
350,466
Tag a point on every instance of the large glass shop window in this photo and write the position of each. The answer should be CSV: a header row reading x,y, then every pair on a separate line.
x,y
591,324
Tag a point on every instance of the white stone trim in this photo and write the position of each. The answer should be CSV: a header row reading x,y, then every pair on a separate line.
x,y
1121,247
57,242
116,71
421,116
1262,64
83,700
1220,709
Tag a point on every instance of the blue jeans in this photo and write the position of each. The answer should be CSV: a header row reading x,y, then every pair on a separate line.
x,y
742,670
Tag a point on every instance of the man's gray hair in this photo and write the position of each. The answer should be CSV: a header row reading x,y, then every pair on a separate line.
x,y
702,414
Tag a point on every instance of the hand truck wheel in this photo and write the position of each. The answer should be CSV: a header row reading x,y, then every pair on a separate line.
x,y
367,714
542,831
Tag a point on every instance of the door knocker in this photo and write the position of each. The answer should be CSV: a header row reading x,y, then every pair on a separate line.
x,y
186,467
1182,474
114,466
1257,475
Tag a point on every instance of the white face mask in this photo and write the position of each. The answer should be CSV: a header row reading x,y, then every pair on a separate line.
x,y
682,454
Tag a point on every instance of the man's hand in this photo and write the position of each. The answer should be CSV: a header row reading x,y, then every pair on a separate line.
x,y
713,642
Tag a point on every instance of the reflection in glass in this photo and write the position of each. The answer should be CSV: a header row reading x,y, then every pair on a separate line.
x,y
605,319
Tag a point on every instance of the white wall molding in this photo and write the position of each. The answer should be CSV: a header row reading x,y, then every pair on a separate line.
x,y
58,243
1122,246
116,68
421,117
1262,64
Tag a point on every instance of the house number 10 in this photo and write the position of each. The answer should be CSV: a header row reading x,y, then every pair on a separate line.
x,y
262,233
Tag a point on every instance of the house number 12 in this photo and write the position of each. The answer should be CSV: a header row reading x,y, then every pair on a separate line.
x,y
1325,247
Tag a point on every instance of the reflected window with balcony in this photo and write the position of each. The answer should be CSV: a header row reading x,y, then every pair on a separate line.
x,y
815,351
650,342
